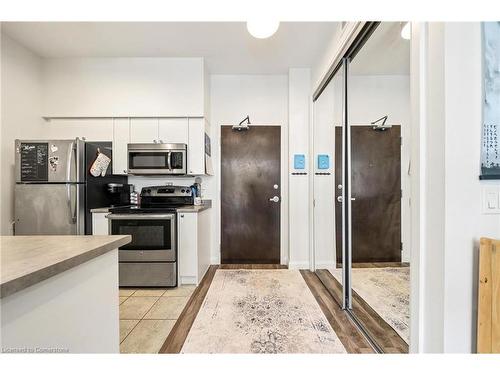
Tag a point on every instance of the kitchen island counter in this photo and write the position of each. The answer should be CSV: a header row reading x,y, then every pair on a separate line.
x,y
59,294
27,260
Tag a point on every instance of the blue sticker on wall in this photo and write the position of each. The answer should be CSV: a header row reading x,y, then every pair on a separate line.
x,y
299,161
323,161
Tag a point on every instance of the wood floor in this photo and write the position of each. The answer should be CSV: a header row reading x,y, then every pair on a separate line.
x,y
377,265
380,331
180,330
351,338
347,332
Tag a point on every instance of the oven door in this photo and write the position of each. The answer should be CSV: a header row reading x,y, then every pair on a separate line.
x,y
153,237
156,160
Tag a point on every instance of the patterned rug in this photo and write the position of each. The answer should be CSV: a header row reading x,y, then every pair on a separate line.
x,y
387,291
260,311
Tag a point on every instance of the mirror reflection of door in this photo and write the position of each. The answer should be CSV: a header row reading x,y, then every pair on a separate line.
x,y
376,188
250,195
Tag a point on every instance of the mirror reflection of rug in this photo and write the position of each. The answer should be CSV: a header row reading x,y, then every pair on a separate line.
x,y
387,291
261,311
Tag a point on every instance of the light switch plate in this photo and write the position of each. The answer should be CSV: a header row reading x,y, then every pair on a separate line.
x,y
491,199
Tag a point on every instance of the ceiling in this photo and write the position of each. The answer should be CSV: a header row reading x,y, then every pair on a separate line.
x,y
227,46
385,53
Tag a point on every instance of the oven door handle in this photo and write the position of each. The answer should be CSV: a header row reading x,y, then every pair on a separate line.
x,y
169,160
139,216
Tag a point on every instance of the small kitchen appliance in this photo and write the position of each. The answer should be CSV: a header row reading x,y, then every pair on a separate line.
x,y
157,158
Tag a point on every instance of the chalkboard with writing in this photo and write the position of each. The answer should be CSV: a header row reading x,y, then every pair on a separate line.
x,y
34,161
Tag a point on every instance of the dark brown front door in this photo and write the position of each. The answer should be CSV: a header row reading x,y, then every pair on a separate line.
x,y
376,187
250,169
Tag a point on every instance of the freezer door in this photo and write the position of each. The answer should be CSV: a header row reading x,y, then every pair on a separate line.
x,y
49,209
39,161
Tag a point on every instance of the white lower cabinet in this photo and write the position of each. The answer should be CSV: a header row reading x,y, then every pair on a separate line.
x,y
100,223
193,234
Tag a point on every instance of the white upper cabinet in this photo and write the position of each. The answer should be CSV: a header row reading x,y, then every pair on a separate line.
x,y
173,130
143,130
124,87
196,146
121,137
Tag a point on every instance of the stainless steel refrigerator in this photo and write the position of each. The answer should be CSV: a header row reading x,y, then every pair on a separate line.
x,y
52,178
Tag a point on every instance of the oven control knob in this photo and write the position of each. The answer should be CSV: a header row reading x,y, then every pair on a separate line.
x,y
182,191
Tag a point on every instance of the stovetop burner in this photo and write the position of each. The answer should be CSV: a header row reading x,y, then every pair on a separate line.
x,y
159,199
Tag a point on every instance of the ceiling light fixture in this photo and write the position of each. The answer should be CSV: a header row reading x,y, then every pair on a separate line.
x,y
406,31
262,28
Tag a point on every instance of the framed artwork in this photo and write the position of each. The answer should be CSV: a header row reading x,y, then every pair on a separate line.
x,y
490,147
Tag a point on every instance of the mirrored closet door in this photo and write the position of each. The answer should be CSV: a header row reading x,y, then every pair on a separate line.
x,y
371,125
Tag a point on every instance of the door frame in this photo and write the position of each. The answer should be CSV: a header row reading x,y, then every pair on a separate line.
x,y
284,251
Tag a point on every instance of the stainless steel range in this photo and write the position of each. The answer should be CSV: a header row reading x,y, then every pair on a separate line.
x,y
150,260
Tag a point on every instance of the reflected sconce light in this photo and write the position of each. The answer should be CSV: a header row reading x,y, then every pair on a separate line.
x,y
243,125
406,31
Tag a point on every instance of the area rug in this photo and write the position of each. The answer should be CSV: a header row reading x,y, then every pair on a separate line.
x,y
260,311
387,291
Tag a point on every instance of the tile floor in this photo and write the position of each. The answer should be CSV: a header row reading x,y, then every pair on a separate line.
x,y
148,315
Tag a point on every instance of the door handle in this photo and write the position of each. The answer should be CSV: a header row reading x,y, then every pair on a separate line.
x,y
69,160
275,199
72,213
169,161
340,199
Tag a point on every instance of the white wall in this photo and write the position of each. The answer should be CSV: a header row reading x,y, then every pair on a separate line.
x,y
124,87
324,189
300,186
465,223
21,114
265,99
450,203
93,129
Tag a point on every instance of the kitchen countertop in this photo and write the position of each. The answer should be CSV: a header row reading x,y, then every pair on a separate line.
x,y
206,204
103,210
28,260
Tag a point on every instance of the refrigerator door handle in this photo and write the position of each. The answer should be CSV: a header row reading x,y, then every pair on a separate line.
x,y
72,213
70,161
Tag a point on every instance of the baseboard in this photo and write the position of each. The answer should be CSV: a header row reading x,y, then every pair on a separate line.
x,y
188,280
325,265
298,265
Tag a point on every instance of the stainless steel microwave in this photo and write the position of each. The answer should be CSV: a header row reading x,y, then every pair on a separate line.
x,y
157,158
